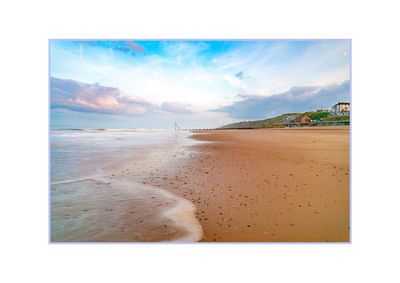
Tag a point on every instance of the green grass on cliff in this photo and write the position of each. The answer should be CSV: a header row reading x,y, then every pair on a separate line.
x,y
260,123
317,115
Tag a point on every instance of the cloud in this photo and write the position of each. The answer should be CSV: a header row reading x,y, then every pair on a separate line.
x,y
122,46
239,75
274,66
297,99
135,47
94,98
175,107
184,48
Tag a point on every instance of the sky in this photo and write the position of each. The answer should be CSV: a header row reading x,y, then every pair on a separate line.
x,y
198,84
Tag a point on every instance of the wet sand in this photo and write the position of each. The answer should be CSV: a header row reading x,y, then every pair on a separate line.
x,y
268,185
119,206
116,209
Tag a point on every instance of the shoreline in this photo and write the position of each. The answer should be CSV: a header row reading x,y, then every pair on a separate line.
x,y
117,205
269,185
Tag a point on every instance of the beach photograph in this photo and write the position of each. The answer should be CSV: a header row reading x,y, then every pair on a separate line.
x,y
213,141
229,141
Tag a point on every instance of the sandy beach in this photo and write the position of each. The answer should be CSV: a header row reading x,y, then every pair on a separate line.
x,y
267,185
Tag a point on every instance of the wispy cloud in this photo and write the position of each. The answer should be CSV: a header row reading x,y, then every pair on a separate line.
x,y
275,66
183,48
121,46
175,107
297,99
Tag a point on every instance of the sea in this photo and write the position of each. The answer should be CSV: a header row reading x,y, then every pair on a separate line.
x,y
96,188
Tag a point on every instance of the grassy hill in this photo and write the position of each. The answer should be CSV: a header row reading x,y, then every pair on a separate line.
x,y
260,123
316,115
274,121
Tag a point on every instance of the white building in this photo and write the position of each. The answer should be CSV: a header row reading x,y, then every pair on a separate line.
x,y
341,107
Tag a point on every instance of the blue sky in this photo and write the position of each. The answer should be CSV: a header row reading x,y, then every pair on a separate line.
x,y
196,83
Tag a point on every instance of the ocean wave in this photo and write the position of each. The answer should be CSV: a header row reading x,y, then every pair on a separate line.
x,y
183,215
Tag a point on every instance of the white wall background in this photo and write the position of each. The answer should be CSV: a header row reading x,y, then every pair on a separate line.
x,y
26,27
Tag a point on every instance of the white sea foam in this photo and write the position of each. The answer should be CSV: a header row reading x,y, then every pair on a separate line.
x,y
183,215
75,180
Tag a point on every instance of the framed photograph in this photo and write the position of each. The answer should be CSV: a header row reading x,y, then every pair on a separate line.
x,y
200,140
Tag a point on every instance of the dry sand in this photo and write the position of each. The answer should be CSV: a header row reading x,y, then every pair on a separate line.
x,y
269,185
